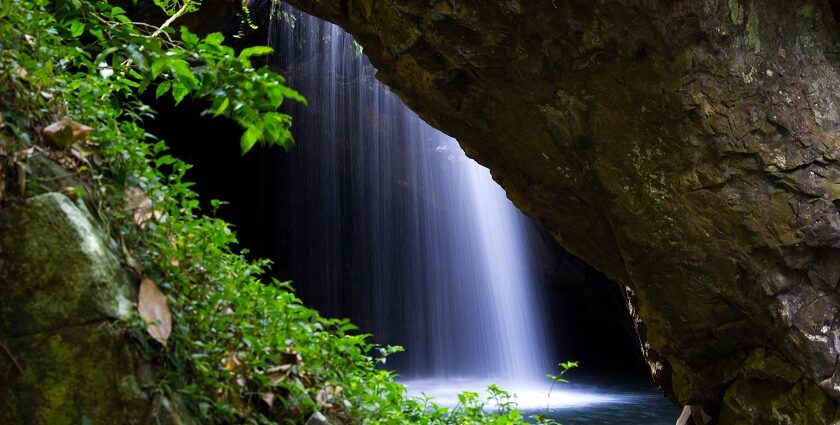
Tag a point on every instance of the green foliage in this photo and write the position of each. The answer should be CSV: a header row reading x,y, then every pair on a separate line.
x,y
172,7
204,68
242,350
565,367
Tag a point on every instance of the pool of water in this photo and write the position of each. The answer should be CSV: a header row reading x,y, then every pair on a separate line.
x,y
570,404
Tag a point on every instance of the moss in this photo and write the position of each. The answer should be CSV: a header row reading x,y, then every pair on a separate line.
x,y
44,176
753,35
65,284
59,268
767,366
56,389
70,374
757,401
736,12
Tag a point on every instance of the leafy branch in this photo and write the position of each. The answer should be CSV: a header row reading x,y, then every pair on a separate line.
x,y
203,68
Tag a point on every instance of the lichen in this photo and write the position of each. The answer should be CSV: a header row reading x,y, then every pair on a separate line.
x,y
753,35
736,12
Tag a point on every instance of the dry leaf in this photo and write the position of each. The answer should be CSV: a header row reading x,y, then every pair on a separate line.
x,y
22,72
155,311
81,156
47,95
233,364
268,398
328,394
141,206
21,178
278,374
63,134
291,358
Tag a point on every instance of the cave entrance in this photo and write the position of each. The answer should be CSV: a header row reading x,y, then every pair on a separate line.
x,y
377,217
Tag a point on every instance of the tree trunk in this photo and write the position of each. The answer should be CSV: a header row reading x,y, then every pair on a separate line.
x,y
688,148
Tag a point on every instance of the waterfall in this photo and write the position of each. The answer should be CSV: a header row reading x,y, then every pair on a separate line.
x,y
390,223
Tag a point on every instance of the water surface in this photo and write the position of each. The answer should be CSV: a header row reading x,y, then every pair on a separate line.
x,y
571,404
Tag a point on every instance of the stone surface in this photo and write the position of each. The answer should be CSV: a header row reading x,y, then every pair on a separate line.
x,y
58,269
688,149
62,289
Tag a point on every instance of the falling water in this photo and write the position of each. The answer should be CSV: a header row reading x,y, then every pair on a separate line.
x,y
391,223
385,220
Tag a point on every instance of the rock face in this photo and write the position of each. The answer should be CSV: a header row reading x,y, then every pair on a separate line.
x,y
62,288
689,149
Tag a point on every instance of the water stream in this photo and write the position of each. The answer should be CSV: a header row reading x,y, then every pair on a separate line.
x,y
394,226
443,253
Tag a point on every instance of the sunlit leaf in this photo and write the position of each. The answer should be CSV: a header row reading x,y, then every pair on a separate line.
x,y
214,39
76,28
249,52
250,138
162,88
179,91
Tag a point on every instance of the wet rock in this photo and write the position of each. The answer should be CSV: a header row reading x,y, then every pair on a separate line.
x,y
687,149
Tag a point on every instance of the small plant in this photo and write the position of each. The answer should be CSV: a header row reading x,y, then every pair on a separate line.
x,y
558,379
565,367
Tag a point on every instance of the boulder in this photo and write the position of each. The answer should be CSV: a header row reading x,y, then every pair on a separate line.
x,y
63,298
688,149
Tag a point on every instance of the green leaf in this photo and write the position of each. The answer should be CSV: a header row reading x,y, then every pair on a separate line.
x,y
348,327
116,11
162,88
165,160
76,28
187,37
96,32
250,138
221,107
214,39
102,56
292,94
179,91
255,51
128,82
158,65
183,73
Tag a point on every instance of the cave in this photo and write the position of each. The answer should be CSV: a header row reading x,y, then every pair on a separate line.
x,y
671,166
274,197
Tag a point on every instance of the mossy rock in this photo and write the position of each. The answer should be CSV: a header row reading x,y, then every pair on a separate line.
x,y
75,375
751,401
63,298
57,268
44,175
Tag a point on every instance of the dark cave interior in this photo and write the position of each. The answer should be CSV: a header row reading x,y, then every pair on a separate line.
x,y
587,312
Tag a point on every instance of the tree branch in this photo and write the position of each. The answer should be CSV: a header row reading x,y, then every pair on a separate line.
x,y
172,19
12,357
